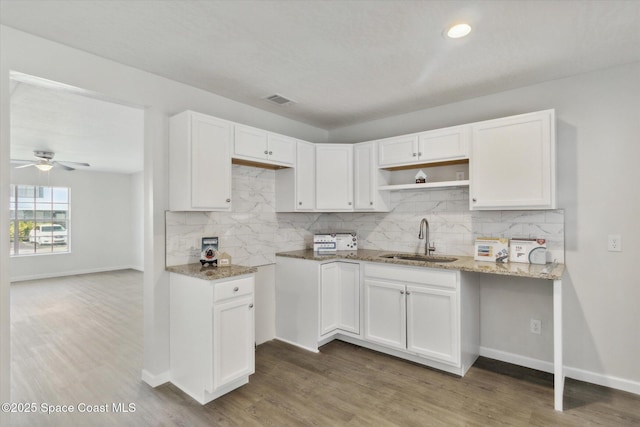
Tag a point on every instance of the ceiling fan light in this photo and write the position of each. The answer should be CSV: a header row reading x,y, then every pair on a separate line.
x,y
44,167
459,30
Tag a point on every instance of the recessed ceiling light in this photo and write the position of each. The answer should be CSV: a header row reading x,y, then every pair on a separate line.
x,y
458,30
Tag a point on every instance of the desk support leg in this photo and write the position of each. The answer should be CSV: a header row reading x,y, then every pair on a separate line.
x,y
558,371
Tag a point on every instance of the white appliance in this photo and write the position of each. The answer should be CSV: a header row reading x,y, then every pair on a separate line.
x,y
330,242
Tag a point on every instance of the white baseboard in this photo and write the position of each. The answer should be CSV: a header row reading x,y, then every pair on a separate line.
x,y
155,380
603,380
72,273
517,359
569,372
314,350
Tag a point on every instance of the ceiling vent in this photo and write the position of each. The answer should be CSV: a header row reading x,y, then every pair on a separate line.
x,y
279,99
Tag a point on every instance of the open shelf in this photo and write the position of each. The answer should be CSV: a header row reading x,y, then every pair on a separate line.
x,y
441,184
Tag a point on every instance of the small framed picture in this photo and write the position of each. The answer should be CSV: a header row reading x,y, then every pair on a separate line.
x,y
209,254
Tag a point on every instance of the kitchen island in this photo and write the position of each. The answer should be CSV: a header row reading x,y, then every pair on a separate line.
x,y
426,312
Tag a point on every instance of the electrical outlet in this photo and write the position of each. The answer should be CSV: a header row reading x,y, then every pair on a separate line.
x,y
614,243
460,176
535,326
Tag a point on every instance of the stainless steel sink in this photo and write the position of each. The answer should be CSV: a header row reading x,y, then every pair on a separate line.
x,y
416,257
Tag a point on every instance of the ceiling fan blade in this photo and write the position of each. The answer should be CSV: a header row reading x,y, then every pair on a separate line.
x,y
21,162
25,166
63,166
73,163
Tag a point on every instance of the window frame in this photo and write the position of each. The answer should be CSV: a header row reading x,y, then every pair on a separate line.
x,y
46,206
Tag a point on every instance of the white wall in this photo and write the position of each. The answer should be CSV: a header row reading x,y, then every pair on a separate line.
x,y
598,123
100,237
162,97
137,220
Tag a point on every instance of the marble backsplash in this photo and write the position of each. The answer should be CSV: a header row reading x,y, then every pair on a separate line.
x,y
253,232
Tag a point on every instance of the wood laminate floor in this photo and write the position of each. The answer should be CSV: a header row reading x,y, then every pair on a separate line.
x,y
78,340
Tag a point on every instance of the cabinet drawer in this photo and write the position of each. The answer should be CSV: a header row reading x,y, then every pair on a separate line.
x,y
232,289
425,276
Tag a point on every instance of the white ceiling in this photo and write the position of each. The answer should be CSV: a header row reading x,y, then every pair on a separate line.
x,y
75,125
343,62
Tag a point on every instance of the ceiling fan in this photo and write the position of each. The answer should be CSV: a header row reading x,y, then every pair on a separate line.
x,y
45,162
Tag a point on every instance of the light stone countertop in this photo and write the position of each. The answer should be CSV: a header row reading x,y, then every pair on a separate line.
x,y
210,273
552,271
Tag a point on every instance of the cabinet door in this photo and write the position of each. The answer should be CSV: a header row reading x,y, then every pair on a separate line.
x,y
444,144
364,175
432,324
398,151
385,313
281,150
233,341
305,176
250,143
334,177
512,163
340,298
210,163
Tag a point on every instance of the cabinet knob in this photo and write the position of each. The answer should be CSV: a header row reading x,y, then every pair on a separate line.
x,y
419,153
236,289
349,203
401,292
251,305
415,154
228,200
300,203
371,203
266,152
270,152
474,199
408,293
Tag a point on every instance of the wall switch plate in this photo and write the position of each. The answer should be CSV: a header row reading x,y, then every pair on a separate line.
x,y
535,326
614,243
460,176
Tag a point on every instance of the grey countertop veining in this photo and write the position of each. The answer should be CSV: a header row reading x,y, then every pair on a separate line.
x,y
552,271
210,273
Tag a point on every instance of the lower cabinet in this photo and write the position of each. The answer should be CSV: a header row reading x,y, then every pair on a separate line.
x,y
339,298
385,313
413,317
430,316
212,335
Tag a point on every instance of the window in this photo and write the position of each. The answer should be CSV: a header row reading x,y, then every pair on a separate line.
x,y
39,220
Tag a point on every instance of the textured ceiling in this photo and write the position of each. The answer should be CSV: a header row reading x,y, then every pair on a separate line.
x,y
76,126
343,62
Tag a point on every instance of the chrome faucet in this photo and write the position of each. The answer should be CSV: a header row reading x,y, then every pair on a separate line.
x,y
427,249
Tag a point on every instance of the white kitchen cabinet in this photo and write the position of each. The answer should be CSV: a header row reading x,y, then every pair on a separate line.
x,y
260,146
367,178
438,145
427,315
513,163
339,298
212,334
397,151
334,177
199,163
296,187
433,323
417,310
385,313
446,144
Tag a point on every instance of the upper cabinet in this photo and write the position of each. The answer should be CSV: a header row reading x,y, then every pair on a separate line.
x,y
426,147
257,145
296,187
200,163
334,177
513,163
367,178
